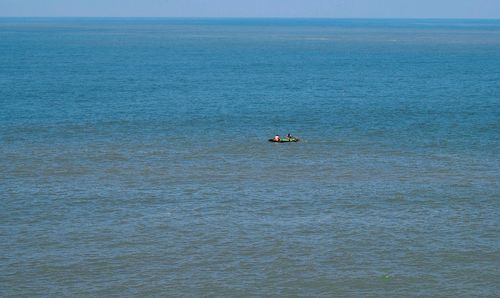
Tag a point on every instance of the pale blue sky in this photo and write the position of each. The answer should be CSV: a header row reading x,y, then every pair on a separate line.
x,y
255,8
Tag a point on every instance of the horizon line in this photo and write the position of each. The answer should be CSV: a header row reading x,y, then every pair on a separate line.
x,y
255,17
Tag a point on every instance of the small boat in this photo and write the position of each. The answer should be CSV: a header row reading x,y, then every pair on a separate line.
x,y
285,140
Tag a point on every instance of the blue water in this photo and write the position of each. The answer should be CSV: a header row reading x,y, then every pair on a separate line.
x,y
134,158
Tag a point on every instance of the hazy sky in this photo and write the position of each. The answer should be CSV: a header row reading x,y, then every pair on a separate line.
x,y
255,8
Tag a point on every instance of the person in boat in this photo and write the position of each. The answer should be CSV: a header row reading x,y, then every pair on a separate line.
x,y
289,136
276,138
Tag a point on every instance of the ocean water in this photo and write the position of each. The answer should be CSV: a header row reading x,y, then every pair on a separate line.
x,y
134,158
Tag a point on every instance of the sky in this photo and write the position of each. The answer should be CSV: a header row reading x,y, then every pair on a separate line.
x,y
254,8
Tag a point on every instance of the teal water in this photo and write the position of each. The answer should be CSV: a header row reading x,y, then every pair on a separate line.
x,y
134,158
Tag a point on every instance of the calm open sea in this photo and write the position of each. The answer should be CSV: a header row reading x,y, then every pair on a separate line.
x,y
134,158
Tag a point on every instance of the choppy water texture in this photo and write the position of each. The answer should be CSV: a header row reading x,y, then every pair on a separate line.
x,y
134,157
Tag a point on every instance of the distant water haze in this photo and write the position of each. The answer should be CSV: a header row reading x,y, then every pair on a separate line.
x,y
255,8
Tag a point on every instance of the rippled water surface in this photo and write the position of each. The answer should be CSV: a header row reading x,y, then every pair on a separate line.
x,y
134,158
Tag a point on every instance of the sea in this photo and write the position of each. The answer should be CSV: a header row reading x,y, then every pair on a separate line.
x,y
135,161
